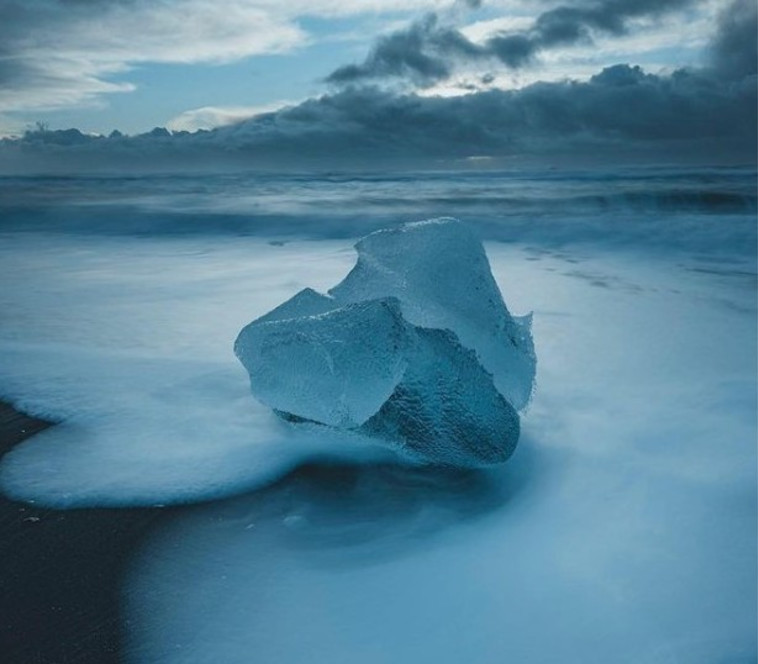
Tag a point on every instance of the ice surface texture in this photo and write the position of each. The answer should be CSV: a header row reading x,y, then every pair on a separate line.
x,y
415,346
335,368
439,272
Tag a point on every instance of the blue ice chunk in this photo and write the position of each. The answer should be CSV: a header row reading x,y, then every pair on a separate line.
x,y
307,302
362,367
336,368
415,347
439,272
446,408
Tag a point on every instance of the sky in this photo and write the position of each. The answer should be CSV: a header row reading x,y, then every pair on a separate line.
x,y
299,76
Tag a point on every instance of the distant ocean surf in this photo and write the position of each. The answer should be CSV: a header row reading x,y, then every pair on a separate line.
x,y
697,208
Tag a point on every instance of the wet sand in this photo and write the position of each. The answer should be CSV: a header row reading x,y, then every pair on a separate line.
x,y
60,572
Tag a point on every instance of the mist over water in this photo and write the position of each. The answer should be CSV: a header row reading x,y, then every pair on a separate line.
x,y
622,530
698,209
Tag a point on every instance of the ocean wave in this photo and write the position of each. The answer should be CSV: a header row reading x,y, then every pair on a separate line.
x,y
701,210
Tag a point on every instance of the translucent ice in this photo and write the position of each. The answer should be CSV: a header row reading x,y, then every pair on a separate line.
x,y
439,272
446,409
403,349
335,368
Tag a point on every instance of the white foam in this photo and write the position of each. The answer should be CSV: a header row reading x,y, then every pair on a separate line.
x,y
131,349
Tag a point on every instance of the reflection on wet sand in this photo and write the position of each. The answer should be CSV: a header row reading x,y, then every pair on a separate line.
x,y
248,558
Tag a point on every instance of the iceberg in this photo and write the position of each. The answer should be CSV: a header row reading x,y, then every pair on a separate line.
x,y
415,347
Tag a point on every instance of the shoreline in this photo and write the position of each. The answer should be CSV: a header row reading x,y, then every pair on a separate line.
x,y
60,571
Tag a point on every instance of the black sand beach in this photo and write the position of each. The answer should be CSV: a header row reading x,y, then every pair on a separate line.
x,y
60,572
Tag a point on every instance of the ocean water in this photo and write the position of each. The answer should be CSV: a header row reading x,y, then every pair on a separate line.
x,y
685,208
623,529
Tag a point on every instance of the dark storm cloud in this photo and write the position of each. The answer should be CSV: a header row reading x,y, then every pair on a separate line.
x,y
422,53
621,105
621,114
733,51
427,51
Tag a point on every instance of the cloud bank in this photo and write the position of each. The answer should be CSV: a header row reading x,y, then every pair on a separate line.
x,y
622,114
